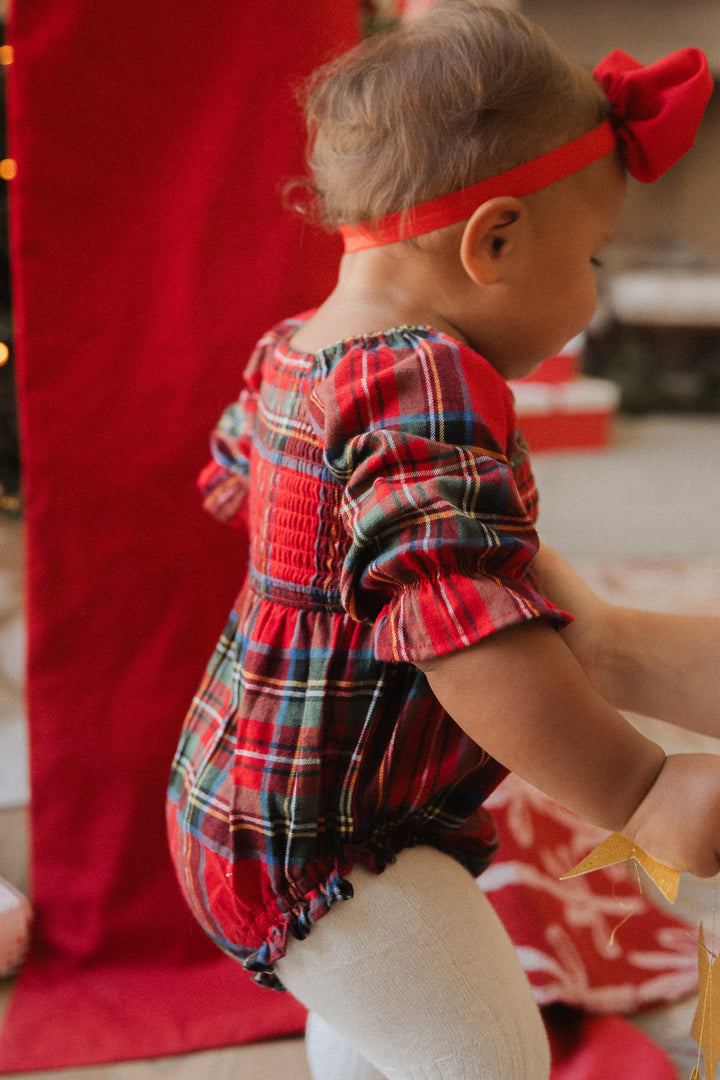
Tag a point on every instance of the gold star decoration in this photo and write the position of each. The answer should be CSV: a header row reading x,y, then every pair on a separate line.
x,y
617,849
706,1027
705,1031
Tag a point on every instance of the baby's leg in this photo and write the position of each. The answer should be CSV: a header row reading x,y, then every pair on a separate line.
x,y
331,1058
417,973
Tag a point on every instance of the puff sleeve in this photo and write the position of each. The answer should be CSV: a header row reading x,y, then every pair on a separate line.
x,y
437,497
224,482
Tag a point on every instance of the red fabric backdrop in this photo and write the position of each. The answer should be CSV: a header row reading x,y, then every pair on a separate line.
x,y
149,251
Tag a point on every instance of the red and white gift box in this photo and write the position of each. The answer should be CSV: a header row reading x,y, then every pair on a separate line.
x,y
559,409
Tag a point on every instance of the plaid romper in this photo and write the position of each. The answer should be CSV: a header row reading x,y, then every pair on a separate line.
x,y
392,512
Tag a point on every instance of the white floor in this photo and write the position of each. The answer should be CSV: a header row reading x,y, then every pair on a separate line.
x,y
655,494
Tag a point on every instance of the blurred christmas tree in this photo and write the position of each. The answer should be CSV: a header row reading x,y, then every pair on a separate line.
x,y
9,441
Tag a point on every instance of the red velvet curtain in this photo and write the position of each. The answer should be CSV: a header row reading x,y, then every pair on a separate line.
x,y
149,250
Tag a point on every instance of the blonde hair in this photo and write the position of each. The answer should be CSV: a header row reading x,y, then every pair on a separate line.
x,y
460,94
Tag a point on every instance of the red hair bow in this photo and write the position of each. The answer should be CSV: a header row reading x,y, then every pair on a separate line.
x,y
656,110
655,113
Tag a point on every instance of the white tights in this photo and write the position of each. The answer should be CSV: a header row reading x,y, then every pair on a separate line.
x,y
415,978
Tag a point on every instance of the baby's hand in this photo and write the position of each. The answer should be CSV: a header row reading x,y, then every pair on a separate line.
x,y
678,821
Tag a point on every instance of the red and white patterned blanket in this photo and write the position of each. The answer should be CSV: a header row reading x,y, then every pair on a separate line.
x,y
597,941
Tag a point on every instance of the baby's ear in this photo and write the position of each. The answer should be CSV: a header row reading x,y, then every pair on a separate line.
x,y
489,238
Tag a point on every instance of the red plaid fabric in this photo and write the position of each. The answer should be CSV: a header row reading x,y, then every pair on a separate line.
x,y
392,514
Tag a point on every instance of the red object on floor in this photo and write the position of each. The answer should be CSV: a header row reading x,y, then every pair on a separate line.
x,y
149,250
577,414
560,368
609,1048
560,430
560,410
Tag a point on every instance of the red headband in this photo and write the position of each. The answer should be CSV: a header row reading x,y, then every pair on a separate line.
x,y
655,114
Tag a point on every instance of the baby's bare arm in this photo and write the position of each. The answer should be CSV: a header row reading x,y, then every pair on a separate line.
x,y
523,697
661,665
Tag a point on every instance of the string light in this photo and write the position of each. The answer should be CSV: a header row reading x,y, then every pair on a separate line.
x,y
8,170
9,503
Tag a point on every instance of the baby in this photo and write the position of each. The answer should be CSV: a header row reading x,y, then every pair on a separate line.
x,y
390,658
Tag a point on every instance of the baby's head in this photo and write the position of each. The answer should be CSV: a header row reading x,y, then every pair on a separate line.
x,y
465,92
470,129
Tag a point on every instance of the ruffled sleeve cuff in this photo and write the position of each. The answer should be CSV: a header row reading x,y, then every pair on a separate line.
x,y
437,616
224,482
223,493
